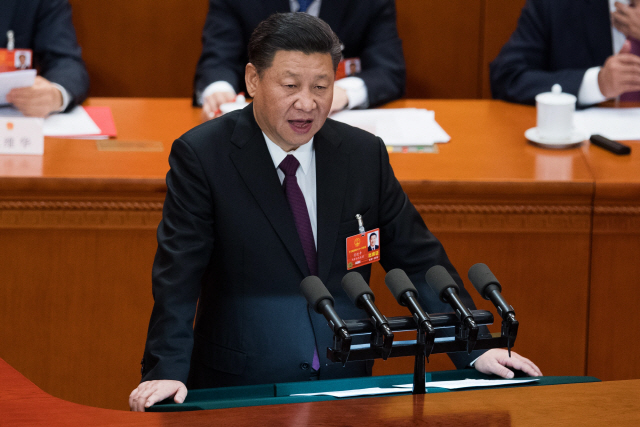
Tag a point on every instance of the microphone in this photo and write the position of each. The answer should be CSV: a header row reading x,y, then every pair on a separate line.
x,y
447,290
489,288
360,293
407,296
320,299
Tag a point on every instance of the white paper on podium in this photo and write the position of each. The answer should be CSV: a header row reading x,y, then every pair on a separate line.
x,y
14,79
373,391
468,383
613,123
404,127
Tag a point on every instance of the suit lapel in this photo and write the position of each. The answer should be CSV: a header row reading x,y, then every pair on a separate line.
x,y
8,10
281,6
331,183
332,12
255,166
597,24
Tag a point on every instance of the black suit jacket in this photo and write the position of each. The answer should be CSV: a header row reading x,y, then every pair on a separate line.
x,y
45,26
556,41
228,237
366,28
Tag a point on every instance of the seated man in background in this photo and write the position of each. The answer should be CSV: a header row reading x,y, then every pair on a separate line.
x,y
45,26
261,198
581,45
366,29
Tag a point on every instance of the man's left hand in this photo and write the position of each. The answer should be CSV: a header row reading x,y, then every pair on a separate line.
x,y
340,100
39,100
497,361
626,19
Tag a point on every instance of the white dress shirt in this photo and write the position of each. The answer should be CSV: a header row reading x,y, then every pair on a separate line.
x,y
306,176
589,92
354,86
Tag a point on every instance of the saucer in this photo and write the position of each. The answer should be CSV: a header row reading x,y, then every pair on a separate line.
x,y
574,140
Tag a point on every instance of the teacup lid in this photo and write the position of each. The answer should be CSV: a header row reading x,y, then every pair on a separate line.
x,y
556,97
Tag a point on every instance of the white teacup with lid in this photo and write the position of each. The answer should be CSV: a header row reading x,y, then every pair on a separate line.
x,y
555,115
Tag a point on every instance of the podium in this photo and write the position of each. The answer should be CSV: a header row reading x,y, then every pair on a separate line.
x,y
275,394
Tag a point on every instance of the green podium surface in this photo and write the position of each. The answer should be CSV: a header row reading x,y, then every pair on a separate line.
x,y
273,394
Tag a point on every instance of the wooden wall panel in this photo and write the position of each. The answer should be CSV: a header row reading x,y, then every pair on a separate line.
x,y
141,48
441,47
500,19
75,304
615,294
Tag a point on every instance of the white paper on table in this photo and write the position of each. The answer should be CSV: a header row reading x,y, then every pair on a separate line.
x,y
397,126
613,123
373,391
14,79
469,383
75,122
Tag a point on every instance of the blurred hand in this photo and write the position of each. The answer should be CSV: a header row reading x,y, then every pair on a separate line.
x,y
39,100
340,100
620,73
497,361
626,19
211,104
150,392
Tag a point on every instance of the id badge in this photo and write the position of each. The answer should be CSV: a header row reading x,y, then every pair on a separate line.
x,y
15,59
363,249
348,67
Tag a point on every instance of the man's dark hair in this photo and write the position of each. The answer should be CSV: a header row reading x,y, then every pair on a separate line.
x,y
299,32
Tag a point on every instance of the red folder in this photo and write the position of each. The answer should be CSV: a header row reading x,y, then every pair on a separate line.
x,y
103,119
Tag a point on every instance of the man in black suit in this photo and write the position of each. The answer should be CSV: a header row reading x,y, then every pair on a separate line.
x,y
242,227
45,27
573,43
366,28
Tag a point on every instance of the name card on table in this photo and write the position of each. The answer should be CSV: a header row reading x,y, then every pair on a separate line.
x,y
21,135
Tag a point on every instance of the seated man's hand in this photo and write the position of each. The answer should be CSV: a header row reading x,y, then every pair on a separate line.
x,y
151,392
497,361
39,100
626,19
340,100
211,104
620,73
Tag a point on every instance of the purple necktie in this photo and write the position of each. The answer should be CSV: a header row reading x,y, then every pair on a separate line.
x,y
303,224
304,5
632,96
300,213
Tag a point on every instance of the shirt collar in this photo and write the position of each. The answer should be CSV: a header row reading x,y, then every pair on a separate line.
x,y
304,153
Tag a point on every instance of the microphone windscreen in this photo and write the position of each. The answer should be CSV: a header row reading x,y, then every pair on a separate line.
x,y
398,283
439,279
315,291
355,286
481,277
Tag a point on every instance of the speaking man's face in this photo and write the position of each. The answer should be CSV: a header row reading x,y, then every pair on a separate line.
x,y
292,98
373,240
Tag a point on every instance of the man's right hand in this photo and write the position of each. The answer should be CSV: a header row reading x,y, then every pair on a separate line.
x,y
211,104
151,392
620,73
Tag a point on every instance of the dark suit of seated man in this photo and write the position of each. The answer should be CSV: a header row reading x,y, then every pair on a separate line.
x,y
45,26
573,43
367,29
236,243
